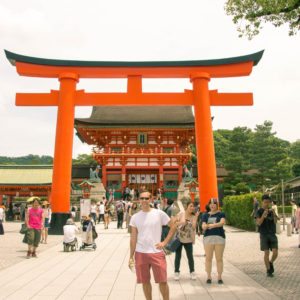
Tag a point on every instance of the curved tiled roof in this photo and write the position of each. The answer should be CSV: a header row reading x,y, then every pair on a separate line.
x,y
139,115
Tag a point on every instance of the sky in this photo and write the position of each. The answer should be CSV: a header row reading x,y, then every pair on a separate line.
x,y
139,30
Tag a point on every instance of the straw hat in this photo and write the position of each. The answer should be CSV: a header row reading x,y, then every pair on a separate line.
x,y
31,199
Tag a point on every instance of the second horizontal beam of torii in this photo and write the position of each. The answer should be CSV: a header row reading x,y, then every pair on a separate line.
x,y
113,99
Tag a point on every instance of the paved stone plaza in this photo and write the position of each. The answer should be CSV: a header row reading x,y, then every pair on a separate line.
x,y
103,274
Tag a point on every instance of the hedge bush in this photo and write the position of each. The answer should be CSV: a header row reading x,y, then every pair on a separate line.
x,y
287,210
238,210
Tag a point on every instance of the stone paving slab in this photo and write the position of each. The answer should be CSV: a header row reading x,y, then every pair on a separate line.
x,y
104,274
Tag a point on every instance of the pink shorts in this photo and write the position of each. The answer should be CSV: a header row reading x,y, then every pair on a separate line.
x,y
145,261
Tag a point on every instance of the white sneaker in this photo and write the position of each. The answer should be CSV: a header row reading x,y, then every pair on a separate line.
x,y
176,276
193,276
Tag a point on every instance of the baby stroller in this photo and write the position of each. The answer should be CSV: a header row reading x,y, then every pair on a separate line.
x,y
89,235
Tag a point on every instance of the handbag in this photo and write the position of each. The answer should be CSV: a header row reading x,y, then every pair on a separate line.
x,y
23,229
174,244
94,233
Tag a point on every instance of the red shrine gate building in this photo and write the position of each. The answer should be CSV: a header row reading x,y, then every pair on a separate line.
x,y
140,145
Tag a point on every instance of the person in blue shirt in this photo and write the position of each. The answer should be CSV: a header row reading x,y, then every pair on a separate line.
x,y
214,239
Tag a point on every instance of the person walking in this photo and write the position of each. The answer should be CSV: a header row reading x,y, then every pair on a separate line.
x,y
107,214
297,225
254,211
2,213
145,248
214,239
47,220
132,210
186,231
293,217
266,219
34,220
120,214
94,212
101,212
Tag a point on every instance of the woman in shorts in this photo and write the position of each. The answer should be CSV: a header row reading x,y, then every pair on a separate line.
x,y
214,239
34,220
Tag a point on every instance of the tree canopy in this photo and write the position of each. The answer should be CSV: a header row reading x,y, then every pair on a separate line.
x,y
250,15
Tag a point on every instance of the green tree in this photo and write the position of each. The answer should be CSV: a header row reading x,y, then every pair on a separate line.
x,y
267,152
84,159
296,170
295,150
250,15
238,157
222,143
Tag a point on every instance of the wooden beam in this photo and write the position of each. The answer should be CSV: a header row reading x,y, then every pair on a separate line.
x,y
37,99
114,99
134,98
217,71
230,99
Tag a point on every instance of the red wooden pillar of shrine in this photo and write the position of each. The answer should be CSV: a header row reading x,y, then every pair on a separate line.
x,y
206,163
62,165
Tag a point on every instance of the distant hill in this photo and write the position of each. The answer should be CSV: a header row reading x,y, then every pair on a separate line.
x,y
27,160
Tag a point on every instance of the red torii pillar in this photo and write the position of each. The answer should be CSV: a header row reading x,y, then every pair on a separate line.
x,y
69,72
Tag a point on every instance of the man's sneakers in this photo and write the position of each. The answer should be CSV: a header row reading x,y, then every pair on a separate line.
x,y
271,270
176,276
193,276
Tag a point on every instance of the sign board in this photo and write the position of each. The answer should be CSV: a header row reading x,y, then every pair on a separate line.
x,y
85,207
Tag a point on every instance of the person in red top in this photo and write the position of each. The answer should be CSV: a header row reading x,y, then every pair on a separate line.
x,y
34,220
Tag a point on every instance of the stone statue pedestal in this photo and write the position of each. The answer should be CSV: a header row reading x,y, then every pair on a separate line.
x,y
184,193
98,191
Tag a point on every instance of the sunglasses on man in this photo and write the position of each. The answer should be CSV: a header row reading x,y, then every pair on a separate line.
x,y
144,198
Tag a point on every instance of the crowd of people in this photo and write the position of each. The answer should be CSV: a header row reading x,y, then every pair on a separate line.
x,y
158,227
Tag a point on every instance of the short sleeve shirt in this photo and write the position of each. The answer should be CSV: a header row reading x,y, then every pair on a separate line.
x,y
268,225
213,219
149,228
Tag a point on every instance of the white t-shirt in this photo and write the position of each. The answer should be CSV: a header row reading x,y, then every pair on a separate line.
x,y
70,233
149,227
101,209
1,214
93,209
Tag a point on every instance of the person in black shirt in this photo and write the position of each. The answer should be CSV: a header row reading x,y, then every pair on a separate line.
x,y
214,239
266,219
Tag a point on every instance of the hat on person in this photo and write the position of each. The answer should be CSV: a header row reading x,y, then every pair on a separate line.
x,y
70,222
32,199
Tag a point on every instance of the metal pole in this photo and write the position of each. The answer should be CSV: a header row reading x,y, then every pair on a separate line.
x,y
282,200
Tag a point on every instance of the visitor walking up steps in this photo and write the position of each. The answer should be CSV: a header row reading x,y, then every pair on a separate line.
x,y
266,219
145,246
214,239
186,231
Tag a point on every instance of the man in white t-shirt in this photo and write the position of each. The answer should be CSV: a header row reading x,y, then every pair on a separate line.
x,y
146,229
101,212
94,212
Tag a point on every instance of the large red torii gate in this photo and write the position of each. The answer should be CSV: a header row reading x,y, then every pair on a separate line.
x,y
69,72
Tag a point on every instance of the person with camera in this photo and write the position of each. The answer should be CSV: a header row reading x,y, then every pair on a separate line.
x,y
266,219
186,230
